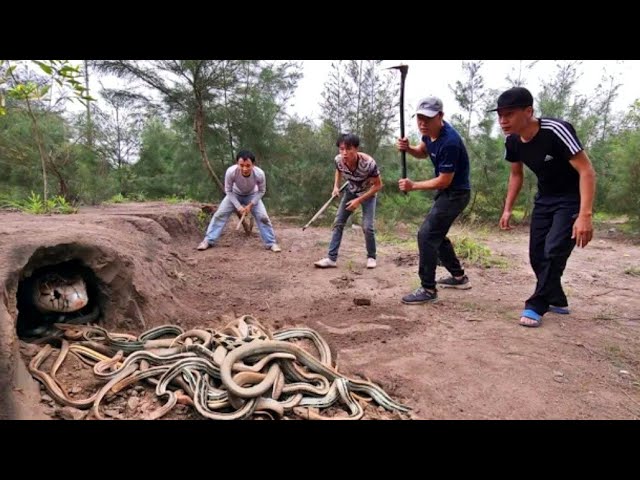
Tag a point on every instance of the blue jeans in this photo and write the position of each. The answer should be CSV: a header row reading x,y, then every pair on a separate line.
x,y
368,214
226,208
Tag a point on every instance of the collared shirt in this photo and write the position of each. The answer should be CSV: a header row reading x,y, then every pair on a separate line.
x,y
359,179
449,155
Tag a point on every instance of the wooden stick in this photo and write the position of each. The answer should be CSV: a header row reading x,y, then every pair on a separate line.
x,y
241,220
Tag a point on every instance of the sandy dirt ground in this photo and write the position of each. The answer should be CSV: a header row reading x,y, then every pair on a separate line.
x,y
464,357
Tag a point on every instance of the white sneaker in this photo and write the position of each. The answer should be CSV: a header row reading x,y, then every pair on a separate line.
x,y
275,248
204,244
371,262
325,263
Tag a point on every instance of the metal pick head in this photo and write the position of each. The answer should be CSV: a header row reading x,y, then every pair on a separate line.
x,y
403,68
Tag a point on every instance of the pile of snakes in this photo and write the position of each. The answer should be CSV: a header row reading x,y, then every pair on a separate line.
x,y
242,371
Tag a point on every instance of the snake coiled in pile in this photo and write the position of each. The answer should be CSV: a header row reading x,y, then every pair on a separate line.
x,y
240,371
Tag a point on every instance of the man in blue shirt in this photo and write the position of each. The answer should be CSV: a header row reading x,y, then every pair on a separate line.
x,y
447,151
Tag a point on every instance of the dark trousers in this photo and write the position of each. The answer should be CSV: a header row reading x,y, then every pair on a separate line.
x,y
432,236
550,245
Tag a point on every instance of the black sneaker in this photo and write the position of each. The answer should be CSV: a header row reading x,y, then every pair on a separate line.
x,y
453,282
420,296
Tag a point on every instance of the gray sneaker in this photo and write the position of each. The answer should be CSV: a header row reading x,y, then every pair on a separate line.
x,y
453,282
275,248
419,296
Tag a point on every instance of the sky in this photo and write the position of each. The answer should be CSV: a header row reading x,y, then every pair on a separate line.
x,y
433,77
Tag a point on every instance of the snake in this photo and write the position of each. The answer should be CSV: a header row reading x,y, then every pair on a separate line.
x,y
241,371
59,297
53,292
270,346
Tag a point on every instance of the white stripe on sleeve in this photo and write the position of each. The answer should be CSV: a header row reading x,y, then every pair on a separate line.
x,y
563,134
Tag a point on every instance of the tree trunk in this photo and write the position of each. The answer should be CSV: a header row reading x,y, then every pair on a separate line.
x,y
63,187
228,119
473,203
199,129
89,126
43,154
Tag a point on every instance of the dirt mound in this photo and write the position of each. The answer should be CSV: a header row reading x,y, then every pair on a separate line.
x,y
127,249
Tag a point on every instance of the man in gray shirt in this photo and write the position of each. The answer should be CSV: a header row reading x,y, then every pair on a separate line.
x,y
244,185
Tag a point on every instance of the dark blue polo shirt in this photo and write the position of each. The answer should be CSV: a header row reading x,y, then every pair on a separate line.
x,y
449,155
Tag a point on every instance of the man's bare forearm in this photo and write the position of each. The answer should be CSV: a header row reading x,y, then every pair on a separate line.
x,y
416,152
371,192
513,189
336,180
587,192
431,184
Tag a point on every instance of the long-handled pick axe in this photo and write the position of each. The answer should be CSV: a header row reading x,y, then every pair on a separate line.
x,y
324,207
403,74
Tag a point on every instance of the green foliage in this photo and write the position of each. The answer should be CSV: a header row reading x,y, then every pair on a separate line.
x,y
470,93
634,271
360,97
117,198
92,180
134,197
80,175
203,220
603,217
174,199
61,205
473,252
137,197
386,235
65,74
623,193
147,149
35,204
28,91
300,179
397,207
168,164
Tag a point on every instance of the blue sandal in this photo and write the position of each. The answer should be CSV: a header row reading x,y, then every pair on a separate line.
x,y
559,310
533,316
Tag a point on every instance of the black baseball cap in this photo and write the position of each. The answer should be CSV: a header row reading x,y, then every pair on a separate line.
x,y
516,97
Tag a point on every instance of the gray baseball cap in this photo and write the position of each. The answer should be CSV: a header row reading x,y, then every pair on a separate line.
x,y
429,106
